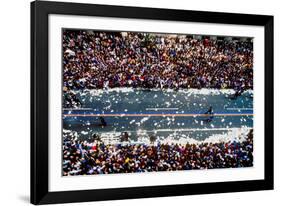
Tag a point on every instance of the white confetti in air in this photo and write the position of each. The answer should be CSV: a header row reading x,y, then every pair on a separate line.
x,y
144,119
84,132
131,122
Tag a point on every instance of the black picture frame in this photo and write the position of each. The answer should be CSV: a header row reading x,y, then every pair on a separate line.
x,y
39,102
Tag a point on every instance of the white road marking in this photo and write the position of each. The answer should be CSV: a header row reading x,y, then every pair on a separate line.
x,y
239,108
69,109
183,130
164,108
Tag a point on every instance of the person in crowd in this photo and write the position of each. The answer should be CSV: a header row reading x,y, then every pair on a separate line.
x,y
210,114
124,137
103,123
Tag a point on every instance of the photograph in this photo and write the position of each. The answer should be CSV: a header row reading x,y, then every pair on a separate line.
x,y
135,102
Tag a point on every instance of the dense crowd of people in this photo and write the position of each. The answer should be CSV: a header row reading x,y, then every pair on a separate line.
x,y
92,156
95,59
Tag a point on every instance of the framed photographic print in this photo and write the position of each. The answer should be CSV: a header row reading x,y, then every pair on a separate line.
x,y
133,102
